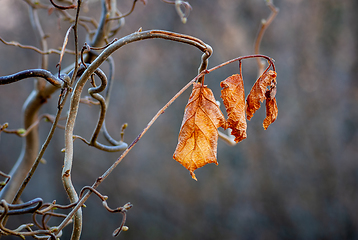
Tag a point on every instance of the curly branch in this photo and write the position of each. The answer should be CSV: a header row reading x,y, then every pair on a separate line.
x,y
31,73
112,140
37,207
178,4
18,209
111,64
123,210
94,92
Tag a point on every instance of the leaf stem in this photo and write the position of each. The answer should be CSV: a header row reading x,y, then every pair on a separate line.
x,y
270,60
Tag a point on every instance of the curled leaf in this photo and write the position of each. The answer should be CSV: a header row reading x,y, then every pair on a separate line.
x,y
198,136
258,91
271,106
233,96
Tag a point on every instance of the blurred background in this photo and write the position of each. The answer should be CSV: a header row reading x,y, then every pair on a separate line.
x,y
296,180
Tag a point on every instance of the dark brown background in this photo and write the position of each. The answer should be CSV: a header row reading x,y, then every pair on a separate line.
x,y
297,180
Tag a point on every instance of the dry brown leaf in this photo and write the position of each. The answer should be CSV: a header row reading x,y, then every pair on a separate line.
x,y
198,136
257,93
233,96
271,106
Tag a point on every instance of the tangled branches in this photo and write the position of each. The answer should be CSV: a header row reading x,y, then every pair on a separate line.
x,y
45,211
71,81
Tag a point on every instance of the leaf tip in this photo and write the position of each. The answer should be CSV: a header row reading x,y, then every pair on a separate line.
x,y
193,176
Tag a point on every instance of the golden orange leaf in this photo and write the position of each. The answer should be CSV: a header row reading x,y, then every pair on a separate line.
x,y
233,96
257,93
198,136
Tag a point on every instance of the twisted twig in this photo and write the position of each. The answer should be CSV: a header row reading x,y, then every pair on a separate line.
x,y
94,92
178,4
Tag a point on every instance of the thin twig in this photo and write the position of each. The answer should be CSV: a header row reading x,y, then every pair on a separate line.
x,y
81,20
265,23
65,41
37,4
49,51
36,25
63,7
270,60
124,15
7,177
25,132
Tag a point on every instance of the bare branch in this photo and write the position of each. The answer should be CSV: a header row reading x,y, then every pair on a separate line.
x,y
91,60
50,51
31,73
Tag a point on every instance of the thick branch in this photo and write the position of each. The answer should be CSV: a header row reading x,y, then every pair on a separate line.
x,y
31,143
30,73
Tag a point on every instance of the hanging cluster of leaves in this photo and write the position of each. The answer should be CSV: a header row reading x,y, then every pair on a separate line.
x,y
197,141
